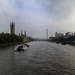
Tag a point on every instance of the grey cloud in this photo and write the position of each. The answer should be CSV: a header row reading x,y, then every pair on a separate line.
x,y
57,9
34,16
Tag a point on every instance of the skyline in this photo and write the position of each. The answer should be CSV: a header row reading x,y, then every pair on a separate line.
x,y
35,16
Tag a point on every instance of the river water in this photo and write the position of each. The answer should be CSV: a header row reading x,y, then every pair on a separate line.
x,y
41,58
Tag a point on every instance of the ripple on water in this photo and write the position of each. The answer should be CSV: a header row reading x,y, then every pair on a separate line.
x,y
42,58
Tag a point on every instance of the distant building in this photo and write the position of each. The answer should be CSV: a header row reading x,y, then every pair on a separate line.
x,y
12,28
74,33
51,38
68,34
24,36
57,35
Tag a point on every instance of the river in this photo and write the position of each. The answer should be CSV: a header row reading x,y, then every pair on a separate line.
x,y
41,58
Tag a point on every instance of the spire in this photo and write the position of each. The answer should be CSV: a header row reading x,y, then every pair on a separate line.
x,y
21,32
25,33
12,27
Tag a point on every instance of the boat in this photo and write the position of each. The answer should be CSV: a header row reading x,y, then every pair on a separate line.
x,y
20,48
26,45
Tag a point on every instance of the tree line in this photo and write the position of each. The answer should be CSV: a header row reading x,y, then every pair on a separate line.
x,y
9,38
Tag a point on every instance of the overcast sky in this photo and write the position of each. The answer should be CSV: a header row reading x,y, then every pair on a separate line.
x,y
35,16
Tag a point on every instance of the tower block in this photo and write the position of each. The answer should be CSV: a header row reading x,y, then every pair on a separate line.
x,y
12,28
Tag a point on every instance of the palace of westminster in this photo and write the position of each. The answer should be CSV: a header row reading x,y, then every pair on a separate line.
x,y
13,29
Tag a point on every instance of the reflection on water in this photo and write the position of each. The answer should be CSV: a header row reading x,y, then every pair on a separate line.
x,y
41,58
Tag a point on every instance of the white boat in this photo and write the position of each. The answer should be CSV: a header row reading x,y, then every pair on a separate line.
x,y
21,47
